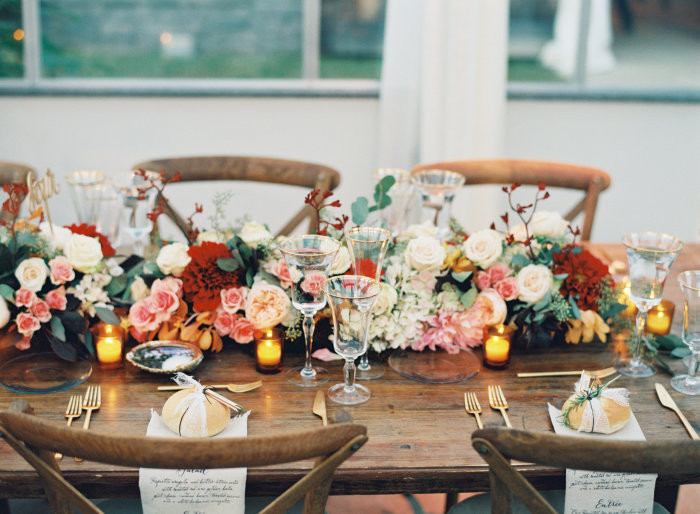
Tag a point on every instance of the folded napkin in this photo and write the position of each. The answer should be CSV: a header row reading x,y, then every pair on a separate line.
x,y
606,493
180,491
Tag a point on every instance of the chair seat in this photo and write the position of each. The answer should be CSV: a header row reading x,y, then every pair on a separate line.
x,y
482,503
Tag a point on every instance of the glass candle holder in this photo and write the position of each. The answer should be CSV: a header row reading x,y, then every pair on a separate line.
x,y
269,345
660,317
497,346
109,345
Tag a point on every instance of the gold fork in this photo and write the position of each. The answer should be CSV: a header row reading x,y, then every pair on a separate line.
x,y
498,401
599,373
91,402
74,410
234,388
471,405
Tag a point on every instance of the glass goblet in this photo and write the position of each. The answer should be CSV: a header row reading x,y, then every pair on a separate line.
x,y
368,246
650,257
438,188
397,215
85,192
351,298
690,287
137,202
309,258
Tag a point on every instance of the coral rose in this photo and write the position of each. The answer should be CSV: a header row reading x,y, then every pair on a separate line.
x,y
61,270
163,303
56,298
142,317
242,331
233,299
171,284
483,280
498,272
507,288
280,270
224,323
24,297
313,282
266,305
41,310
24,344
27,324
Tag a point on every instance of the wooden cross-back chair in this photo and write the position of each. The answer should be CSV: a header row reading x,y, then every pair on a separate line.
x,y
506,171
498,445
255,169
37,440
12,172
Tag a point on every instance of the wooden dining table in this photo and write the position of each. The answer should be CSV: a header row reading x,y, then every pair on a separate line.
x,y
419,433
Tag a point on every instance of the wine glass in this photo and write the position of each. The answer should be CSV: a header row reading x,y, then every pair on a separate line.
x,y
650,257
85,191
351,298
690,287
309,258
137,204
438,188
367,246
397,214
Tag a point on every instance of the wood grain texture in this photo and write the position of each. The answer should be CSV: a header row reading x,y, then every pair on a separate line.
x,y
419,434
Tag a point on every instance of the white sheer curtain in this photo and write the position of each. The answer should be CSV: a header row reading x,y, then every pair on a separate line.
x,y
443,89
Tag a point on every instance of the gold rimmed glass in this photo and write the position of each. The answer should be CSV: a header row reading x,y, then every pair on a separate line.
x,y
650,256
309,258
85,191
351,298
368,246
438,188
690,287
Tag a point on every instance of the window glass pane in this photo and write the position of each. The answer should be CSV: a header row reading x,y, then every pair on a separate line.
x,y
352,35
172,38
11,39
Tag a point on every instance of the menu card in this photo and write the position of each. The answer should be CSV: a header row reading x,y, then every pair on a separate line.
x,y
190,491
594,492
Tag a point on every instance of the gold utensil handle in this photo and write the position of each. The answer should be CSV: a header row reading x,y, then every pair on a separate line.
x,y
550,374
171,388
687,425
478,420
506,418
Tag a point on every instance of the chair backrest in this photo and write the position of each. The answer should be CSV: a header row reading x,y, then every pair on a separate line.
x,y
12,172
506,171
255,169
37,440
497,445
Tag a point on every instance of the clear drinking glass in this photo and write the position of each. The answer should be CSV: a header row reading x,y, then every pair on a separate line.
x,y
137,203
351,298
438,188
110,216
650,256
309,258
368,246
396,216
690,287
85,192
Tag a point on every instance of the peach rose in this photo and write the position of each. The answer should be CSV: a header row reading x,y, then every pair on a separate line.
x,y
24,297
224,322
27,324
498,271
233,299
171,284
313,282
242,331
163,303
56,299
507,288
142,318
61,270
490,307
483,280
41,310
267,305
280,270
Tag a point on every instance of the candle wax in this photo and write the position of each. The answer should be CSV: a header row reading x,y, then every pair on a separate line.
x,y
269,352
497,349
109,349
659,322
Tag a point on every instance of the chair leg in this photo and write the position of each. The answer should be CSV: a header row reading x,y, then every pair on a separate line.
x,y
500,495
450,500
316,498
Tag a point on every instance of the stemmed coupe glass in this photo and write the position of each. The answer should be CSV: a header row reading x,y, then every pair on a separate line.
x,y
84,189
650,256
368,246
690,287
351,298
438,189
309,258
137,204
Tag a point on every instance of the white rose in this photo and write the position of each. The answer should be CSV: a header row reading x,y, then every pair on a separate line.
x,y
423,229
254,234
4,313
172,259
548,224
483,248
32,273
425,253
58,238
534,280
385,300
342,262
84,253
209,236
139,290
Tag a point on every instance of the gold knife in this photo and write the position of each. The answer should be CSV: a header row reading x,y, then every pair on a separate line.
x,y
668,402
319,407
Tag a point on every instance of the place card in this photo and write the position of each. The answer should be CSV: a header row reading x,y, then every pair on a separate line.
x,y
182,491
595,492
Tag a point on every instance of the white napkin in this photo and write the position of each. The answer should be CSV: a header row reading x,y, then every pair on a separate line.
x,y
589,492
180,491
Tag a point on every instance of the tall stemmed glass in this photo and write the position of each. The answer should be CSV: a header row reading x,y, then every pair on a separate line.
x,y
367,247
690,287
650,257
351,298
397,215
438,189
309,258
138,202
84,189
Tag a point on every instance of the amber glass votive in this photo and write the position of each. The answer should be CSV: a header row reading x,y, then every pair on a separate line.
x,y
109,345
497,346
659,318
269,344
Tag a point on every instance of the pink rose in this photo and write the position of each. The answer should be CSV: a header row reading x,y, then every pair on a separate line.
x,y
281,271
489,307
483,280
24,297
266,305
41,310
56,298
313,282
61,270
498,271
242,331
27,324
163,303
224,322
233,299
507,288
142,317
171,284
24,343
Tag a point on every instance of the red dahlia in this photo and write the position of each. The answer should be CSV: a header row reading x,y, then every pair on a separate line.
x,y
586,273
91,231
203,280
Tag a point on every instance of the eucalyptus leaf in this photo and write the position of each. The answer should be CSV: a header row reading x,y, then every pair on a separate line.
x,y
57,329
670,341
461,277
249,277
561,276
107,315
544,302
116,285
679,353
63,349
519,260
227,264
468,298
87,341
574,308
360,210
7,292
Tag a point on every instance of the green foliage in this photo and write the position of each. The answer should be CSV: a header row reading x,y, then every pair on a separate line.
x,y
585,396
57,328
561,308
468,298
242,258
107,315
518,261
461,277
361,208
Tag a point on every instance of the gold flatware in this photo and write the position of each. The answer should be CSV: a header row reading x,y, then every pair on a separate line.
x,y
74,410
234,388
92,401
471,405
668,402
497,400
600,373
319,407
237,409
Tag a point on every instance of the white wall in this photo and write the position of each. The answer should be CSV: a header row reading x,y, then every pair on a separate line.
x,y
651,150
